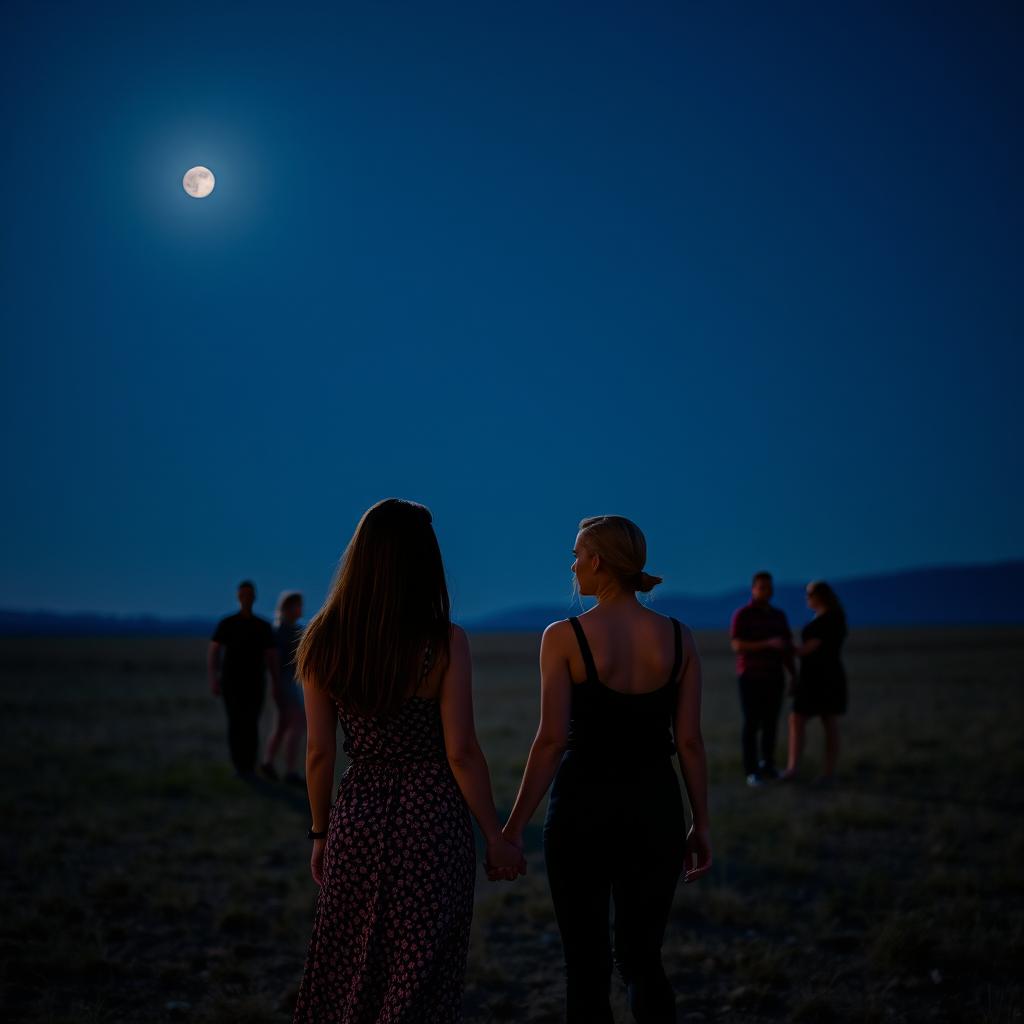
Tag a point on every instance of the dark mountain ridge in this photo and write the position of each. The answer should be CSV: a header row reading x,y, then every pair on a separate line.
x,y
966,595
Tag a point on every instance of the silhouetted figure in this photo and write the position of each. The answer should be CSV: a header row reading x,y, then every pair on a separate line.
x,y
763,643
291,714
394,857
620,694
820,689
241,651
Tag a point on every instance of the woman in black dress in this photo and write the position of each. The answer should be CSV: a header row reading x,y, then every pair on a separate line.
x,y
820,690
620,695
394,857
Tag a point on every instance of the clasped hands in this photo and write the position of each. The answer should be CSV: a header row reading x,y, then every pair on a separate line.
x,y
504,860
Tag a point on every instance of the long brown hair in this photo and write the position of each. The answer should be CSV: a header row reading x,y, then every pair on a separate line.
x,y
828,597
389,601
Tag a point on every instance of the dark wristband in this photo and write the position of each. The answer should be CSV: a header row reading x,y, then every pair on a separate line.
x,y
316,835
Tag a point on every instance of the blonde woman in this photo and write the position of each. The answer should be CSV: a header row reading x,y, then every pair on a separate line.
x,y
620,695
291,716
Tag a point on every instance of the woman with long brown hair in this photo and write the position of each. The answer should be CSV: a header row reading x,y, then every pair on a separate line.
x,y
820,688
620,694
394,857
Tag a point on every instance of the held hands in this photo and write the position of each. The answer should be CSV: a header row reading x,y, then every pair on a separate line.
x,y
504,860
698,854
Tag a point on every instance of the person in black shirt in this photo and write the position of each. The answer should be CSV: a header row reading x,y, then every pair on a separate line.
x,y
820,689
242,650
764,653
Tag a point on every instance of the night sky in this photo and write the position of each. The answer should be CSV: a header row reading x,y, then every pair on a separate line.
x,y
748,274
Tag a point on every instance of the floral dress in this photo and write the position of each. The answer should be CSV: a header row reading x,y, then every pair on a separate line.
x,y
391,926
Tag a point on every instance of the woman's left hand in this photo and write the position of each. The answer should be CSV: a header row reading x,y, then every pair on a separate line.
x,y
316,861
698,854
504,860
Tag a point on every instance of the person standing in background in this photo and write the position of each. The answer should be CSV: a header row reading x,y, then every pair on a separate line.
x,y
241,652
821,688
291,712
763,644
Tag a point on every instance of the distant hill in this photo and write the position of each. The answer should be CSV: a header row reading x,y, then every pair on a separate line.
x,y
982,595
14,623
986,595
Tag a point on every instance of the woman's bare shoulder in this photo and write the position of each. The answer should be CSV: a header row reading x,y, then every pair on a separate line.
x,y
556,634
689,644
459,640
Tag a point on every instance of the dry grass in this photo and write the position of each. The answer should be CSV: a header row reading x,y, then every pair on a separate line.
x,y
142,882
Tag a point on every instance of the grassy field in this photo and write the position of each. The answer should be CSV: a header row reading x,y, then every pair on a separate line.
x,y
142,882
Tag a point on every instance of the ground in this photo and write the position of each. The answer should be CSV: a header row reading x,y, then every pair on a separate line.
x,y
142,882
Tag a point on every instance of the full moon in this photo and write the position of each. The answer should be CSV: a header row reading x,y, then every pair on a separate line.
x,y
198,182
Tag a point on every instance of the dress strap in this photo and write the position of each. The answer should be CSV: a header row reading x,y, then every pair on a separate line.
x,y
588,658
678,663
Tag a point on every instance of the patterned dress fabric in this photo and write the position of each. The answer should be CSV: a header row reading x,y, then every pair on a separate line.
x,y
391,926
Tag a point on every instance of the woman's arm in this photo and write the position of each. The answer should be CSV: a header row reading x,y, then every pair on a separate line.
x,y
213,667
741,646
273,662
808,647
693,761
321,751
553,732
468,764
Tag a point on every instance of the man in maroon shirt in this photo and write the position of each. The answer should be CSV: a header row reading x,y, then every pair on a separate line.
x,y
763,644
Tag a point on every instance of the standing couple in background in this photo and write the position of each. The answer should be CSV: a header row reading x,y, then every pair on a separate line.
x,y
395,855
243,651
765,654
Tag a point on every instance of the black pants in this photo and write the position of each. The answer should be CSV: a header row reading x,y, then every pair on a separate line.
x,y
611,838
761,700
243,701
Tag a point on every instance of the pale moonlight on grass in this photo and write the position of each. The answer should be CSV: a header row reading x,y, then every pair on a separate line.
x,y
198,182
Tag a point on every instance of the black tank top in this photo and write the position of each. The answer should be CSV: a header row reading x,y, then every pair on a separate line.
x,y
622,727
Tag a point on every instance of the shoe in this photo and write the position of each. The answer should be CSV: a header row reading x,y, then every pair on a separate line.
x,y
789,775
767,771
294,779
753,779
269,772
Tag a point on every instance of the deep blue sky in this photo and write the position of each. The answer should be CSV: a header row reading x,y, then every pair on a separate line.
x,y
750,275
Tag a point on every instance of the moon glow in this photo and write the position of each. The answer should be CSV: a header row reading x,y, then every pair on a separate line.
x,y
198,182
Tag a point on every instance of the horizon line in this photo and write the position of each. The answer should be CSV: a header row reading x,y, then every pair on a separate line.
x,y
508,609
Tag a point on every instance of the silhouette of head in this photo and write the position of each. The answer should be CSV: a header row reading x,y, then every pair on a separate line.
x,y
289,607
761,589
246,595
389,601
822,598
611,549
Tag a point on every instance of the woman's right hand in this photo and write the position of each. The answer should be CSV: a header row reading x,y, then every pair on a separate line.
x,y
698,854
